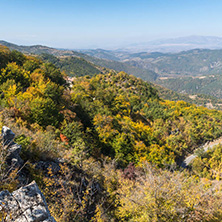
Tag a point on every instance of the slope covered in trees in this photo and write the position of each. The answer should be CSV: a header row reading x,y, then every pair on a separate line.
x,y
125,114
103,135
109,64
193,62
197,99
174,127
73,66
208,85
187,63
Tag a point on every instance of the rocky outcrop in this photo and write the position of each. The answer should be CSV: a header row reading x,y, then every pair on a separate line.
x,y
7,135
26,204
13,149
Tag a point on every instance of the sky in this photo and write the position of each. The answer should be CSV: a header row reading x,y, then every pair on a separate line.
x,y
106,23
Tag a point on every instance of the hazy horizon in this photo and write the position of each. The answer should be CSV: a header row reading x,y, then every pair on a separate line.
x,y
135,44
87,24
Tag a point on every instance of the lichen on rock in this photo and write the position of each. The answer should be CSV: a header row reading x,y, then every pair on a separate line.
x,y
26,204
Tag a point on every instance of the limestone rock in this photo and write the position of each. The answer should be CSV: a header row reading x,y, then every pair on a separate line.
x,y
13,149
7,135
14,158
26,204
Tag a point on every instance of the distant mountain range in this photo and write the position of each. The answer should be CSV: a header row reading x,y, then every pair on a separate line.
x,y
146,65
186,63
177,44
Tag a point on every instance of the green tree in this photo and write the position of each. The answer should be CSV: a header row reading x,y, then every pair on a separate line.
x,y
44,112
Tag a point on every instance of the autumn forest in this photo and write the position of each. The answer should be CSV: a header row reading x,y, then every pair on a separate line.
x,y
118,145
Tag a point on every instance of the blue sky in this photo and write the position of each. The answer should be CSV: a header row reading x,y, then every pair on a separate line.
x,y
106,24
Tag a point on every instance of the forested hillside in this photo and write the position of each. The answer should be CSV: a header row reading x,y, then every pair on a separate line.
x,y
205,100
146,65
208,85
73,66
187,63
118,66
193,62
107,148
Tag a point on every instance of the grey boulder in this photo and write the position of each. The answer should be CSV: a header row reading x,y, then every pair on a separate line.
x,y
7,135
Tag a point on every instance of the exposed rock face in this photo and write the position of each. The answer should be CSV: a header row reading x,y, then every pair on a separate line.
x,y
14,158
26,204
13,149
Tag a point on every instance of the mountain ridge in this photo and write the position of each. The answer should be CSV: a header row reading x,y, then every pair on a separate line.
x,y
110,64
